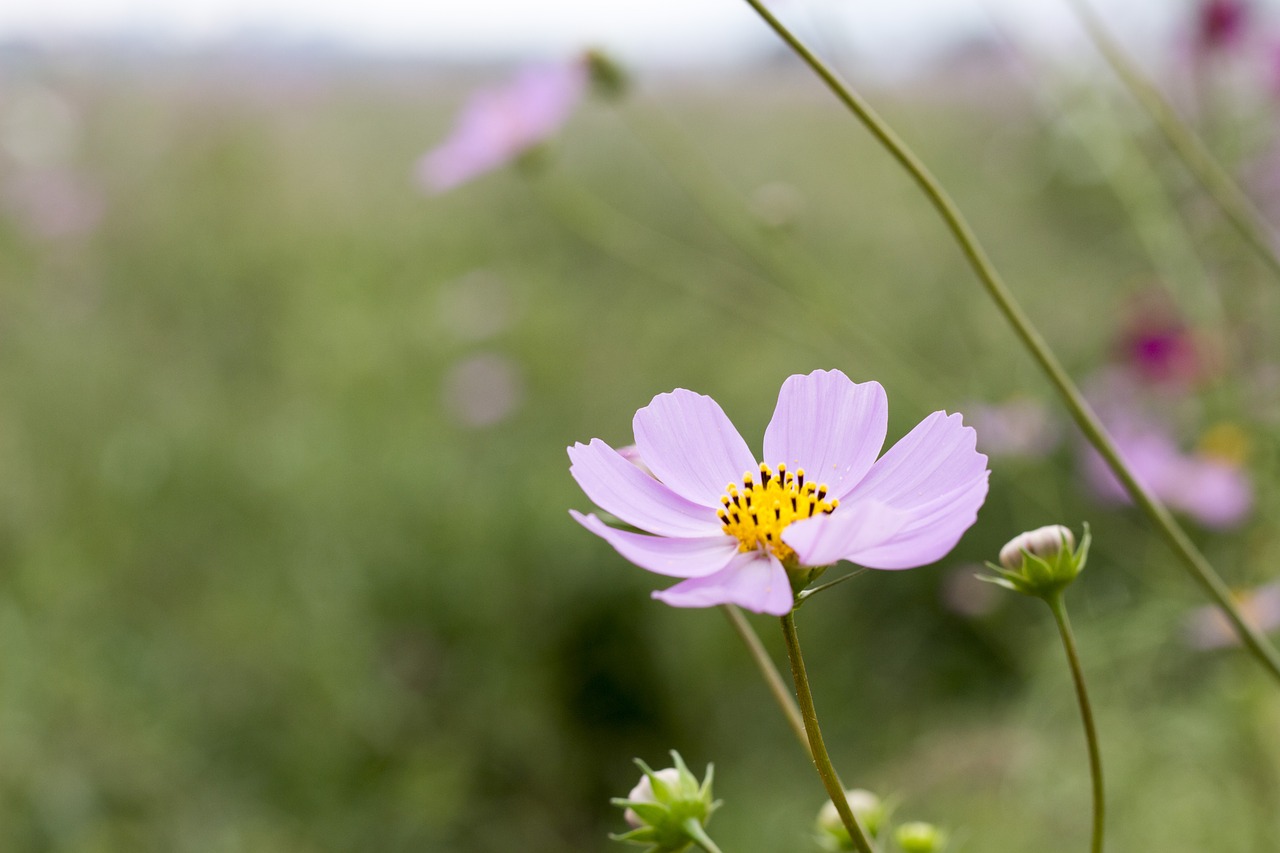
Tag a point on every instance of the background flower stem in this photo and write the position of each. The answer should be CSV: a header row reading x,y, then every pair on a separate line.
x,y
1235,205
1058,606
772,678
821,760
1176,538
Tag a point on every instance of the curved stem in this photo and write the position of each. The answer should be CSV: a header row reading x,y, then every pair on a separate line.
x,y
772,678
821,760
1192,560
1059,608
1195,155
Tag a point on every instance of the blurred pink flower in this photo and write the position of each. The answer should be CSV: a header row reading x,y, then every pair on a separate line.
x,y
731,528
1207,628
1157,345
1211,487
1221,23
499,124
53,204
1215,492
1018,427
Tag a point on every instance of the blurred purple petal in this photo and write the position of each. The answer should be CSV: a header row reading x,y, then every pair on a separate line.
x,y
753,580
829,426
1214,492
498,124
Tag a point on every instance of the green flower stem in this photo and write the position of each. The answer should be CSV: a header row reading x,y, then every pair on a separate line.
x,y
699,836
772,678
1058,606
821,760
1231,200
1176,538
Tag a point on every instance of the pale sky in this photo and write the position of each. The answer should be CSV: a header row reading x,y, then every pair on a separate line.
x,y
662,30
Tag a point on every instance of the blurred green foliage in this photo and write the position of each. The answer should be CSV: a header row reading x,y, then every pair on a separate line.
x,y
285,562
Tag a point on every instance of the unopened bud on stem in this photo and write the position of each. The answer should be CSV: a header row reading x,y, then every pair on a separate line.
x,y
1040,562
668,809
871,812
920,837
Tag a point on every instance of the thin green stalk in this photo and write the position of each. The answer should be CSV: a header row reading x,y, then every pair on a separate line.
x,y
1058,606
1192,560
1199,160
821,760
772,678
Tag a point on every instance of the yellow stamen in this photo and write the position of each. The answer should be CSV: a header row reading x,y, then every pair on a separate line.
x,y
756,513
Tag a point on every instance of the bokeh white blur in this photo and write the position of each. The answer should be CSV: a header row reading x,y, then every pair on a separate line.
x,y
891,35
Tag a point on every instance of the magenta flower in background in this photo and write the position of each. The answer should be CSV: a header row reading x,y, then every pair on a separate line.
x,y
499,124
1221,23
1157,345
732,527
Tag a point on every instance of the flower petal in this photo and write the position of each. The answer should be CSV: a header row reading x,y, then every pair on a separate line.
x,y
1214,493
688,442
754,580
932,529
828,425
497,124
850,530
619,487
677,558
937,478
934,459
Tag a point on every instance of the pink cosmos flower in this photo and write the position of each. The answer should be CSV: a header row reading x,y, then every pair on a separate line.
x,y
499,124
732,527
1208,484
1158,346
1213,491
1221,23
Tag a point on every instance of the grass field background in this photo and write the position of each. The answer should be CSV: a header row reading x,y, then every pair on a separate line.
x,y
285,557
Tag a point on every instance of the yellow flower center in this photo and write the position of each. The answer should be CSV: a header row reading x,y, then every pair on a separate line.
x,y
1225,442
756,513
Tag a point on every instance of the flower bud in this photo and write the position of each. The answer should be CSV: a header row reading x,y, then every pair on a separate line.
x,y
643,792
667,808
608,79
920,837
1040,562
871,812
1044,541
